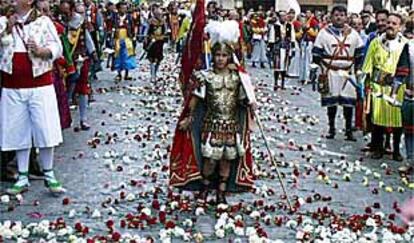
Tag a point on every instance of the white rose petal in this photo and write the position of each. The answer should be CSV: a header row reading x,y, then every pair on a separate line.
x,y
238,217
300,235
250,231
5,199
174,205
130,197
19,197
229,226
178,231
188,223
164,234
111,211
146,211
199,211
220,233
62,232
254,214
223,206
25,233
371,222
292,224
239,231
96,214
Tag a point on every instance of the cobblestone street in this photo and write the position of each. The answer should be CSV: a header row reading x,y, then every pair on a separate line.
x,y
116,174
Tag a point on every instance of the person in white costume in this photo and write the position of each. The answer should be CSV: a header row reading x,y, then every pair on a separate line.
x,y
338,50
294,67
28,107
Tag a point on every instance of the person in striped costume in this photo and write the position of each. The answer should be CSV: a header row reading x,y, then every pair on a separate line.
x,y
405,76
338,52
380,65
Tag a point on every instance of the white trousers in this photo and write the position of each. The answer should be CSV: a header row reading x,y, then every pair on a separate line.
x,y
294,67
29,116
259,51
306,60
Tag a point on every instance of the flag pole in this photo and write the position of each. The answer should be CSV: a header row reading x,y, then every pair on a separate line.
x,y
259,124
272,161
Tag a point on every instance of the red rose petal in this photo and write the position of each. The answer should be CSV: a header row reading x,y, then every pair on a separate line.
x,y
116,236
65,201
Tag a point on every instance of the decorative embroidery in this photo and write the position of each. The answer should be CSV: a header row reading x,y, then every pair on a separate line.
x,y
38,30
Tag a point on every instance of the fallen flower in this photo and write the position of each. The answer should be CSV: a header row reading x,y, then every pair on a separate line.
x,y
116,236
169,224
292,224
65,201
220,233
346,177
198,237
199,211
96,214
5,199
19,198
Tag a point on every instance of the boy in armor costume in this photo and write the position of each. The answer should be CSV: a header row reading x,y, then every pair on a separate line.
x,y
216,117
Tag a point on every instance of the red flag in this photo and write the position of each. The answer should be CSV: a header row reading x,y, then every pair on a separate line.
x,y
183,161
194,46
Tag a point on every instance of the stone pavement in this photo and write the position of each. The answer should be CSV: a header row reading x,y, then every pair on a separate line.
x,y
116,175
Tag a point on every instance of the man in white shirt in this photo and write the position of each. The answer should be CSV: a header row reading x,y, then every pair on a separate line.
x,y
28,106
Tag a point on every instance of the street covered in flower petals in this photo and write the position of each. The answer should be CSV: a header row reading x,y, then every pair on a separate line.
x,y
117,176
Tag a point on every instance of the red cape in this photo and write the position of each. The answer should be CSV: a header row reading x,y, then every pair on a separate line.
x,y
185,162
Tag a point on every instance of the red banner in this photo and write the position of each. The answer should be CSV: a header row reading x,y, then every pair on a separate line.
x,y
193,48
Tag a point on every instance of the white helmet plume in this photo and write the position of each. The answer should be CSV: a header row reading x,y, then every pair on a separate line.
x,y
223,31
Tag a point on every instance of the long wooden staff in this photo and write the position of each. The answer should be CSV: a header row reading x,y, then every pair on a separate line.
x,y
279,175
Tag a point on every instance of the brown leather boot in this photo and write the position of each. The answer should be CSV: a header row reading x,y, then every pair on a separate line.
x,y
202,196
221,197
221,193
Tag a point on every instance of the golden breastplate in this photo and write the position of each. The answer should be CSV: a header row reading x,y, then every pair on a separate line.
x,y
222,97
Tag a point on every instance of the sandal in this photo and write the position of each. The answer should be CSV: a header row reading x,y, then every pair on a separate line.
x,y
52,183
55,187
21,186
221,197
221,193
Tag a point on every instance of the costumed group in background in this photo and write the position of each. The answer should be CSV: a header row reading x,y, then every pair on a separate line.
x,y
362,62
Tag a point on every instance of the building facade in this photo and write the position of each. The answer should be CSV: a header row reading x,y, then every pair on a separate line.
x,y
324,5
305,4
254,4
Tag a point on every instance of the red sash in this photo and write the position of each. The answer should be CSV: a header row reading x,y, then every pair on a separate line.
x,y
22,74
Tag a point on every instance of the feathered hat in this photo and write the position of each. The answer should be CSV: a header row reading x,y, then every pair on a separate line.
x,y
224,35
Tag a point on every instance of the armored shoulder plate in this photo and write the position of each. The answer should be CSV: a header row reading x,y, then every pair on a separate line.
x,y
200,76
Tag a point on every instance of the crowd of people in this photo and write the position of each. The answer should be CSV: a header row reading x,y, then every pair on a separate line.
x,y
358,61
54,49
